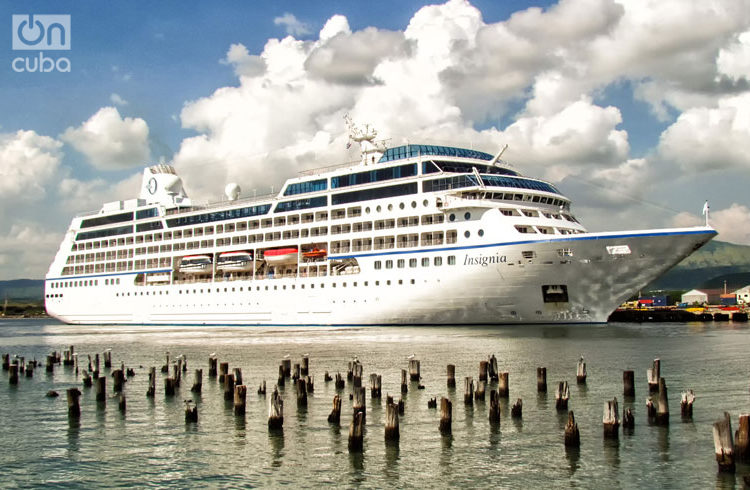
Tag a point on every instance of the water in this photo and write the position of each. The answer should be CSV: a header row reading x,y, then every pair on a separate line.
x,y
152,446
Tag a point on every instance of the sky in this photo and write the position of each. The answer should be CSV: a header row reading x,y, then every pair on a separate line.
x,y
638,110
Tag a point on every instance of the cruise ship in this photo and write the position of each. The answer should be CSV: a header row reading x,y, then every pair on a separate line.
x,y
408,235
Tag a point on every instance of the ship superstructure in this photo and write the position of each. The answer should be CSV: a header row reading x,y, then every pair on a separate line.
x,y
413,234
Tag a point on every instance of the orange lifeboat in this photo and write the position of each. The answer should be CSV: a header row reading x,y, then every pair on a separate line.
x,y
315,254
280,255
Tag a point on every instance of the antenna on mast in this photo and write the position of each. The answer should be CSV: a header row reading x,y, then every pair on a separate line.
x,y
366,139
499,155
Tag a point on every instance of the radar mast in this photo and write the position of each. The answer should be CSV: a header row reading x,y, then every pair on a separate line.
x,y
371,150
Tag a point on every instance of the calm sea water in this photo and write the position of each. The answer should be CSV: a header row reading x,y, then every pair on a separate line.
x,y
152,446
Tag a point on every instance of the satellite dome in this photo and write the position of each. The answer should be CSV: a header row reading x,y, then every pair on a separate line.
x,y
232,191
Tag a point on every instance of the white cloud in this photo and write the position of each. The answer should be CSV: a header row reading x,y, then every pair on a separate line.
x,y
26,250
29,162
109,141
732,223
734,59
117,100
293,26
245,64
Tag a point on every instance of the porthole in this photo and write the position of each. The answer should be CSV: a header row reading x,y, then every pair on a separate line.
x,y
367,210
425,203
414,204
467,216
390,207
401,206
451,217
378,209
467,234
480,232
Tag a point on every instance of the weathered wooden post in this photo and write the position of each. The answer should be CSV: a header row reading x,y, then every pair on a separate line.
x,y
662,409
118,377
446,416
432,402
223,371
723,444
581,372
101,389
611,419
30,369
191,412
480,393
286,364
653,374
572,436
305,369
391,423
357,374
541,379
296,372
50,367
240,397
310,383
356,432
628,421
628,383
229,387
86,379
483,367
414,374
197,381
262,388
74,407
338,383
122,403
401,405
742,440
151,392
404,384
280,379
212,362
494,412
335,416
375,385
650,410
359,403
451,371
350,370
177,372
562,394
237,376
468,390
686,404
516,411
107,359
301,393
169,386
6,362
275,411
13,374
503,390
493,368
164,368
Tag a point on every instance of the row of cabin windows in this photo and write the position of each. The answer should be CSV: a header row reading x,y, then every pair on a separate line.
x,y
425,262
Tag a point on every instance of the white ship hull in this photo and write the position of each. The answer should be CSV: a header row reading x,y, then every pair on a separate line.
x,y
489,283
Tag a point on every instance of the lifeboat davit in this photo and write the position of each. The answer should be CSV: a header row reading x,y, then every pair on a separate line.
x,y
195,264
280,255
239,261
314,254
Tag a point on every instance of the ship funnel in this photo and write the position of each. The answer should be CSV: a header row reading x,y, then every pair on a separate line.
x,y
161,185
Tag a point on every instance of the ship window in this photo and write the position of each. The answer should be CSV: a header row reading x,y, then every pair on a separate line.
x,y
305,187
389,264
451,260
375,193
437,261
401,263
480,232
452,217
425,262
467,233
377,175
467,216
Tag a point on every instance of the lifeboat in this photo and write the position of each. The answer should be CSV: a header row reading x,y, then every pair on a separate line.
x,y
195,264
280,255
239,261
315,254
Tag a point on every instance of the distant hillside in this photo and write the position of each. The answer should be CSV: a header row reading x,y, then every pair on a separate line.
x,y
709,267
22,290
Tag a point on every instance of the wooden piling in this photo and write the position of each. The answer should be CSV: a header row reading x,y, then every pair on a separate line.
x,y
237,376
101,389
339,382
223,371
335,416
275,411
650,410
562,394
404,384
572,436
169,386
503,389
653,374
107,359
164,368
742,440
375,385
479,394
401,405
414,370
611,419
305,368
662,407
177,373
686,404
350,371
628,421
13,374
391,423
446,416
86,379
296,372
468,390
74,407
6,362
151,392
212,362
483,368
451,372
357,370
29,369
301,393
50,367
197,381
262,388
229,387
581,372
432,402
723,444
191,411
280,379
327,377
240,398
516,411
628,383
541,380
118,379
286,364
356,432
493,368
122,403
494,412
359,402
